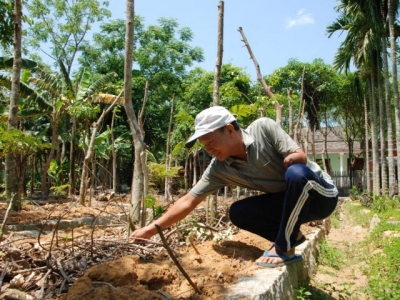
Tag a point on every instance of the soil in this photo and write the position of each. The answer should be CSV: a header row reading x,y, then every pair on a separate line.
x,y
99,262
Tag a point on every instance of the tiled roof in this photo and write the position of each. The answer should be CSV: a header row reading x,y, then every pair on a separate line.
x,y
334,141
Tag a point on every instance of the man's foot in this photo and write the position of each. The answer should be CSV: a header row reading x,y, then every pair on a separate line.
x,y
273,256
300,240
276,260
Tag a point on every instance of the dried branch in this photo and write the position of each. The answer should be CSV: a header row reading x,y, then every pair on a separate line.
x,y
3,274
6,215
56,228
171,254
266,88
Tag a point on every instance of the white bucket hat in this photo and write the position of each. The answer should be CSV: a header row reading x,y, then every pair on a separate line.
x,y
208,121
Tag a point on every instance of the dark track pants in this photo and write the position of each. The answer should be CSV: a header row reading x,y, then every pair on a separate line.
x,y
278,216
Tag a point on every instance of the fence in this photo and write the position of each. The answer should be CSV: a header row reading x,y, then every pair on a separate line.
x,y
343,182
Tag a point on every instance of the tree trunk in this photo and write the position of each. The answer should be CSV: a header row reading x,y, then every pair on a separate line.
x,y
89,154
391,16
54,145
220,50
289,94
366,150
167,187
61,159
32,179
382,130
187,169
137,180
114,156
194,164
297,127
217,74
389,121
143,159
71,175
374,137
12,180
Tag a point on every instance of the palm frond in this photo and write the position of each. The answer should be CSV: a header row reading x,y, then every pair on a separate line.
x,y
100,83
7,63
70,92
49,83
26,91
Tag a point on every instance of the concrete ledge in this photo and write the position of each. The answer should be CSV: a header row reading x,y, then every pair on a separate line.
x,y
281,283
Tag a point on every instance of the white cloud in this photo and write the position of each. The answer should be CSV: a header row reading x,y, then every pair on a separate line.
x,y
301,18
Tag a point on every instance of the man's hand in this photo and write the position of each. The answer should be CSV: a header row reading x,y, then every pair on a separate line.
x,y
142,234
175,213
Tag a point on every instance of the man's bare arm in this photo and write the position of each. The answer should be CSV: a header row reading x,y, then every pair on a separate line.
x,y
298,157
175,213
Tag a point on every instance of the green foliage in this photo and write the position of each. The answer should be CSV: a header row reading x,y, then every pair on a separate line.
x,y
8,61
149,201
63,23
55,170
159,210
379,252
156,60
302,293
354,193
61,190
316,81
19,143
384,203
329,256
158,173
7,23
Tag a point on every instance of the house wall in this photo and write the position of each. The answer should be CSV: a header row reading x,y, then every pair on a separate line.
x,y
335,161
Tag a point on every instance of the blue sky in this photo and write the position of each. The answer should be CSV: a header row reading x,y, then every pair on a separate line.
x,y
276,30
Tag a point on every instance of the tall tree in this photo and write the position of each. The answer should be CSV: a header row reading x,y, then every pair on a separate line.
x,y
359,20
138,177
388,105
393,6
13,186
213,199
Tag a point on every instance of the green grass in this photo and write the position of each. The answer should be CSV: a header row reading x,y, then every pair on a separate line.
x,y
335,219
380,251
329,256
384,261
359,215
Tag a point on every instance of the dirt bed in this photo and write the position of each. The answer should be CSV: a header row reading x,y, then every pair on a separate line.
x,y
101,263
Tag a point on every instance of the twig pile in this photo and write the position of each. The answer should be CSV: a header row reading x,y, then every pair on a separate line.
x,y
47,267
